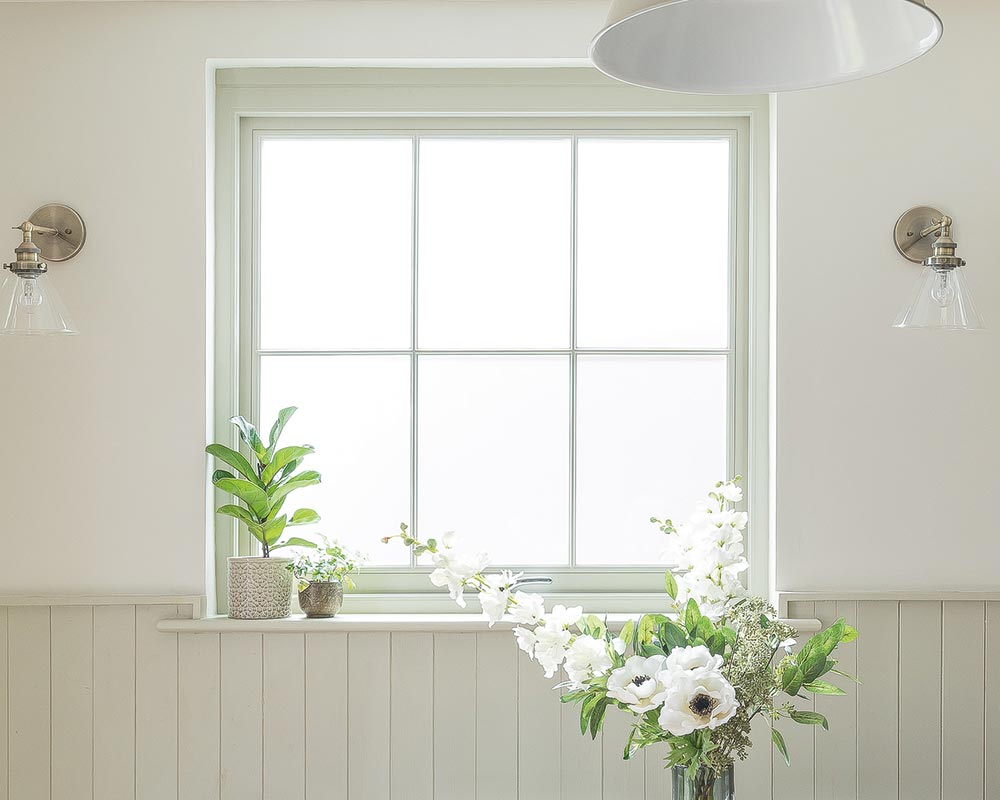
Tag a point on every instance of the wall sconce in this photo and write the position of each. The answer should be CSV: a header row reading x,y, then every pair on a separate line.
x,y
29,303
941,298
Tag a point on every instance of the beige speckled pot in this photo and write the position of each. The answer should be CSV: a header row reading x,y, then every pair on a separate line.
x,y
259,588
320,600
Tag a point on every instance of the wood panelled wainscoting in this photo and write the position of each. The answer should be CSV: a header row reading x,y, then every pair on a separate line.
x,y
98,704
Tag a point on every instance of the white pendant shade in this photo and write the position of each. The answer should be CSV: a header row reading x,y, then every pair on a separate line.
x,y
760,46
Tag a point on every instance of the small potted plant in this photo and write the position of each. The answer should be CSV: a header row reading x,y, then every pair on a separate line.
x,y
322,576
260,587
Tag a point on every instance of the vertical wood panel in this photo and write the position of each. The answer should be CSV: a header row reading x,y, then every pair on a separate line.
x,y
753,776
114,702
455,688
581,758
413,735
623,780
963,719
496,717
368,698
72,702
284,716
3,703
28,704
992,745
920,700
797,781
198,716
878,661
657,776
836,749
155,705
242,737
538,733
326,716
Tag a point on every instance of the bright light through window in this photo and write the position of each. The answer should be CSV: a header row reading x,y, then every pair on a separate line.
x,y
527,337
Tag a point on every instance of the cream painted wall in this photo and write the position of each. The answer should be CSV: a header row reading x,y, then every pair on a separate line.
x,y
893,434
103,478
103,481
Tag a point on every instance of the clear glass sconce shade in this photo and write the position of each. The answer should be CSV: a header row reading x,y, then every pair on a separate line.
x,y
941,300
759,46
31,306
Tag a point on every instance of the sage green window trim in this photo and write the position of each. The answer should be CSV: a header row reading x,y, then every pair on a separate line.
x,y
252,104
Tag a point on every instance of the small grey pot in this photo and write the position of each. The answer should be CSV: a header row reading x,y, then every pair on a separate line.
x,y
259,588
321,600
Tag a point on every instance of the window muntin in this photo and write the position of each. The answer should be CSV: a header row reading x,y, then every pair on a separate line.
x,y
631,360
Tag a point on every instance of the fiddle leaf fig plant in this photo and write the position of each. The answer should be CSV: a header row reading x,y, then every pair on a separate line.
x,y
261,484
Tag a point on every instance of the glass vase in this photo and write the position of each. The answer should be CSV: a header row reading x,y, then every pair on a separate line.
x,y
707,784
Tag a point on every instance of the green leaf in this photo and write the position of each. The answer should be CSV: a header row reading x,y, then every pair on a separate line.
x,y
691,615
234,459
779,742
850,634
595,627
822,687
274,529
670,582
237,512
249,493
279,425
304,516
672,635
597,718
281,459
586,710
648,624
704,629
809,718
219,474
628,631
294,541
791,679
248,433
301,481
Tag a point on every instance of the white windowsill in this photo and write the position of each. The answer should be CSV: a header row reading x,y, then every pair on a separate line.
x,y
359,623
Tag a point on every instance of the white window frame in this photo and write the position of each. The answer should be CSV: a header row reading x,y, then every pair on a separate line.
x,y
254,104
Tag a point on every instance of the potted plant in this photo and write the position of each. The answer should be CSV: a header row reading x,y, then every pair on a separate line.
x,y
260,587
322,575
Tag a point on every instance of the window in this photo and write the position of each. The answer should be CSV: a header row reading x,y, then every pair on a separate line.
x,y
530,330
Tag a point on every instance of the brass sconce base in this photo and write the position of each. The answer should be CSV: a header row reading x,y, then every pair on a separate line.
x,y
909,236
71,232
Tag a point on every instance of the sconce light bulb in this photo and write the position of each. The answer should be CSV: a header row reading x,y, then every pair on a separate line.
x,y
29,296
943,292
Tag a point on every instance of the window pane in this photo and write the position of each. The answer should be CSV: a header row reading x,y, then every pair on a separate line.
x,y
494,266
653,243
493,444
651,441
355,410
335,243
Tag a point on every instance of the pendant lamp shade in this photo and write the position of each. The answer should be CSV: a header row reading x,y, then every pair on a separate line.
x,y
941,299
760,46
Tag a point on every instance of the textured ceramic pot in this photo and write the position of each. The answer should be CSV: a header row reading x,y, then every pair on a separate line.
x,y
259,588
322,599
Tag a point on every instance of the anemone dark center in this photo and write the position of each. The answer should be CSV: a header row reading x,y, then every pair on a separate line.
x,y
703,705
639,680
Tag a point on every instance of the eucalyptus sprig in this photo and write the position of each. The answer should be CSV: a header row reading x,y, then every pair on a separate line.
x,y
263,486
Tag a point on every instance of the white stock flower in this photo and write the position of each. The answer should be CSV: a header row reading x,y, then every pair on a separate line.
x,y
551,641
619,645
688,658
453,569
638,684
696,699
586,658
731,492
527,608
525,640
561,615
494,596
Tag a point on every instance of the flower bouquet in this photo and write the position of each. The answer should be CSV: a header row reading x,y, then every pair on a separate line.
x,y
692,676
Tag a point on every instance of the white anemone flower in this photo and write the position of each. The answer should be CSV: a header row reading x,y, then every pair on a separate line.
x,y
640,683
697,699
586,658
689,658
